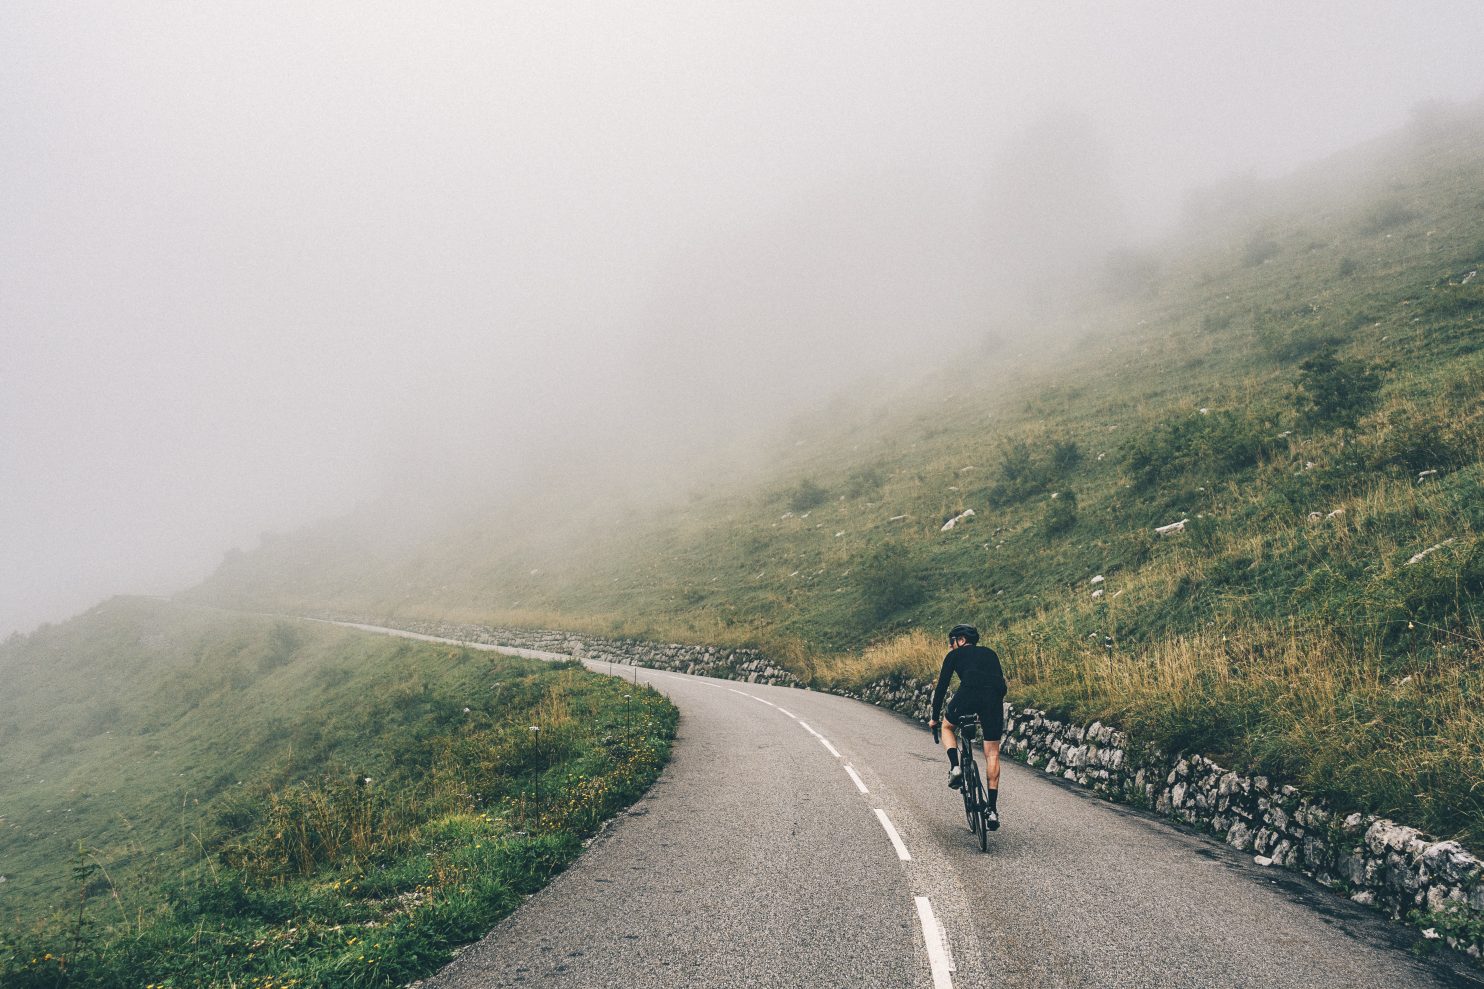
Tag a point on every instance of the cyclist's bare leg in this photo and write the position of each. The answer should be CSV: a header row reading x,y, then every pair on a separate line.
x,y
950,742
992,764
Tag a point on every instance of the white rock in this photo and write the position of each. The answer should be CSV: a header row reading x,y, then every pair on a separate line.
x,y
1418,558
1097,593
1173,527
967,513
1262,860
1096,580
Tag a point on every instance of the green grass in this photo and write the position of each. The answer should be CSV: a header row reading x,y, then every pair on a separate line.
x,y
395,798
1220,393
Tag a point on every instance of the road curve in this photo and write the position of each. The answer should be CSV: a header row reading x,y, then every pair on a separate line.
x,y
801,839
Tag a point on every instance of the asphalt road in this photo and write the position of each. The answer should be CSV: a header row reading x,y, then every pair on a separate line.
x,y
762,858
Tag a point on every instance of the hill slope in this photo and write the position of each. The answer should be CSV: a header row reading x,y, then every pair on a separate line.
x,y
289,788
1296,386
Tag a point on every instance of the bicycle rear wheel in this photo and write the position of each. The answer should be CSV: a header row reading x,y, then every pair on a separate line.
x,y
980,801
967,791
974,799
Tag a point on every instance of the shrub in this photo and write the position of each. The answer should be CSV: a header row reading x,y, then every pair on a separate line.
x,y
1415,441
1065,455
1260,247
1337,392
865,480
890,582
807,495
1060,514
1020,473
1209,445
1385,215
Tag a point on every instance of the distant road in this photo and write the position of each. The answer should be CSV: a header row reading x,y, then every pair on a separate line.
x,y
798,839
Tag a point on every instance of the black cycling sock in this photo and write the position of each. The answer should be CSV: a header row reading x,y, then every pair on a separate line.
x,y
991,796
953,757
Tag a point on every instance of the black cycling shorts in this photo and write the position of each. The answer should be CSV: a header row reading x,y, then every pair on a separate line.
x,y
991,714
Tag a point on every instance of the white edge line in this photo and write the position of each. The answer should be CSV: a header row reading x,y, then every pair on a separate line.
x,y
805,726
787,712
826,743
855,777
891,832
939,960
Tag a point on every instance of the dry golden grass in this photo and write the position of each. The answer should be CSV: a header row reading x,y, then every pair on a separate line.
x,y
915,654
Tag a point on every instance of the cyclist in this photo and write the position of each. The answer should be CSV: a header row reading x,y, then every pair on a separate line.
x,y
981,691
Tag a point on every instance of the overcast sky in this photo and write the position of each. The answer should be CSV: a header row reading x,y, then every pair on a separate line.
x,y
259,260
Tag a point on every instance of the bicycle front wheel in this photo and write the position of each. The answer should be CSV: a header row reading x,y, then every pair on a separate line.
x,y
981,798
978,825
967,791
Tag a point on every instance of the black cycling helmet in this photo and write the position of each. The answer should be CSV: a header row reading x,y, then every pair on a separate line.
x,y
963,632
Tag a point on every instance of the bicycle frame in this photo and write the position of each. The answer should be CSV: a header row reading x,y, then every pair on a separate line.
x,y
972,788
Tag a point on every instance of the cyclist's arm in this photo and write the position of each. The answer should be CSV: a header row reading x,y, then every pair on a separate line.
x,y
942,688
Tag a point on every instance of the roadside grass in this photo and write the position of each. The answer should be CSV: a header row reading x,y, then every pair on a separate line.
x,y
414,808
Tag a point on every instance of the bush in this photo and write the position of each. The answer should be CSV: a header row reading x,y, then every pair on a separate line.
x,y
807,495
1025,469
864,481
1210,446
890,581
1260,247
1060,515
1415,441
1065,455
1337,392
1383,216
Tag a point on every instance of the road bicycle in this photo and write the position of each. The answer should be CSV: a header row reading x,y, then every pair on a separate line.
x,y
972,789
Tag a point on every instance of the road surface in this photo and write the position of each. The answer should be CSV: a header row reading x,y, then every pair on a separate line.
x,y
799,839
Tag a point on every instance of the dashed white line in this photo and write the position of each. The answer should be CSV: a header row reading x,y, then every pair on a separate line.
x,y
787,712
855,777
891,833
822,740
939,960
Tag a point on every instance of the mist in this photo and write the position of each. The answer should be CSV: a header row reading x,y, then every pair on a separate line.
x,y
261,263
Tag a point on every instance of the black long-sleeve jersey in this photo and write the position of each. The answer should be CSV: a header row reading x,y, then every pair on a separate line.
x,y
979,674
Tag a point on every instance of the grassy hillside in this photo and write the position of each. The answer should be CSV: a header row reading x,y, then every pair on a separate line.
x,y
193,798
1298,379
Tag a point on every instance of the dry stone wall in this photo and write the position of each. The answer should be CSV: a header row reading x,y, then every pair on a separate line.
x,y
1374,861
731,664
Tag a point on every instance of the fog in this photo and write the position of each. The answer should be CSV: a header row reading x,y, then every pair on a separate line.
x,y
262,262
